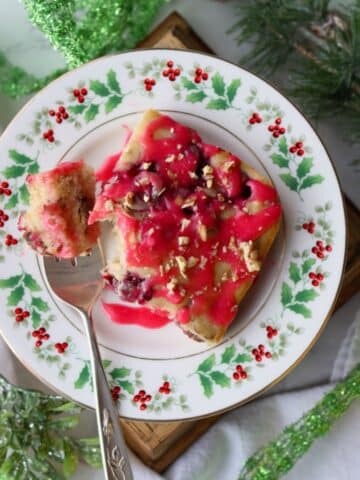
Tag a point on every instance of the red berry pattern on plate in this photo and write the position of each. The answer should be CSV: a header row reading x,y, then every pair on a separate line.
x,y
80,94
10,240
142,398
59,115
239,373
4,217
115,393
149,83
41,335
297,148
61,347
20,314
255,118
171,72
200,75
5,188
276,129
271,332
260,353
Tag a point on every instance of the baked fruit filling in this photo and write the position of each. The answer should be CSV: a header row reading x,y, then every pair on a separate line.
x,y
56,222
194,224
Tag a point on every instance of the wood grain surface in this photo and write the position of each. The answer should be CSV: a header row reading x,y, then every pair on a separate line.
x,y
159,444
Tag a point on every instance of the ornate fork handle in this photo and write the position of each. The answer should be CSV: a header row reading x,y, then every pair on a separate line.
x,y
113,448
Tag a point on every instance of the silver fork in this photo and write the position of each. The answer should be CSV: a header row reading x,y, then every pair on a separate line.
x,y
78,283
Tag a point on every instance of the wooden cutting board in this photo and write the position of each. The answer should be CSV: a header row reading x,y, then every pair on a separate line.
x,y
159,444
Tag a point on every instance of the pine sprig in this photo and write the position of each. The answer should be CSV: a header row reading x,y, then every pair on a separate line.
x,y
320,47
34,436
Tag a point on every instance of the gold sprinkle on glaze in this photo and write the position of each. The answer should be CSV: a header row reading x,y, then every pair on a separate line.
x,y
109,206
185,222
192,261
202,232
170,158
129,200
189,203
250,256
171,285
203,262
228,165
180,260
183,241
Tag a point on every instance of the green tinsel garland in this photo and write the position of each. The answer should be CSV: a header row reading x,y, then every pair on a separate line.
x,y
280,455
81,30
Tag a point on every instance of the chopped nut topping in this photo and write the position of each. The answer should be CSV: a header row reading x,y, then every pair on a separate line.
x,y
151,231
202,232
129,200
228,165
185,222
182,265
179,146
171,285
224,248
146,197
189,203
182,291
192,261
232,245
220,197
193,175
207,171
203,262
109,206
170,158
172,130
183,241
161,192
146,165
180,156
250,256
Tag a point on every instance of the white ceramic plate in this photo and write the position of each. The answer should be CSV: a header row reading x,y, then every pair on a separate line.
x,y
287,308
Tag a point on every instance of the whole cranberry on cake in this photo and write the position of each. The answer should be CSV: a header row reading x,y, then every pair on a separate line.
x,y
194,224
56,222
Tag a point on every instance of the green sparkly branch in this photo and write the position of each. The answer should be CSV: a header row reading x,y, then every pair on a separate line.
x,y
81,30
34,436
16,82
280,455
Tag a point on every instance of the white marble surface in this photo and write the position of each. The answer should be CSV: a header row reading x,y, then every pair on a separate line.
x,y
211,19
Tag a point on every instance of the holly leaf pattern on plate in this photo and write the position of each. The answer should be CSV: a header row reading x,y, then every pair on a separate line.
x,y
218,84
99,88
196,97
220,379
286,294
300,309
228,354
207,385
232,89
207,364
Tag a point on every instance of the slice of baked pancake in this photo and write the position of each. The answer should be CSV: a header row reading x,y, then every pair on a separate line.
x,y
194,224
